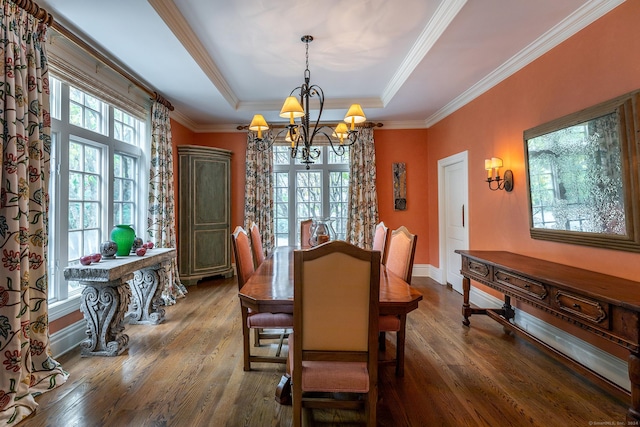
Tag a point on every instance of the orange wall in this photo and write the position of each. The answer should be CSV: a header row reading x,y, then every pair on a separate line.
x,y
409,147
596,64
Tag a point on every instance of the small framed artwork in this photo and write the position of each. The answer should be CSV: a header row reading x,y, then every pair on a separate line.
x,y
399,187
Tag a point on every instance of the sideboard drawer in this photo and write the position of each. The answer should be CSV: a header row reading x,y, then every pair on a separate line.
x,y
585,308
522,284
477,269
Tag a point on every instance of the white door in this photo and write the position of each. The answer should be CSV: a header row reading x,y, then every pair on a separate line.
x,y
453,216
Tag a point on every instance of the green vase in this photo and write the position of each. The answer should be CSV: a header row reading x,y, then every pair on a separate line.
x,y
123,235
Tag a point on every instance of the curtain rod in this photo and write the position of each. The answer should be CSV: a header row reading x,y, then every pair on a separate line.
x,y
45,17
282,126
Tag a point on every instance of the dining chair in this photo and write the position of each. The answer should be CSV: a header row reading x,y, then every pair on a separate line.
x,y
333,348
256,244
258,257
305,233
250,319
399,261
380,239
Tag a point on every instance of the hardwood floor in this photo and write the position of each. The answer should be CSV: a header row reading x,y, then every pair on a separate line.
x,y
188,372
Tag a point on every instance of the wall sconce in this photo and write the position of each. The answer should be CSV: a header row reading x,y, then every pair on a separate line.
x,y
493,165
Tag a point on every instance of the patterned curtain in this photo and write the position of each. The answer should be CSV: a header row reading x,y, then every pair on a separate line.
x,y
161,227
27,368
258,192
363,200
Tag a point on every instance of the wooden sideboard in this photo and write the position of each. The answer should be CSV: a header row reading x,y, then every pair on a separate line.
x,y
604,305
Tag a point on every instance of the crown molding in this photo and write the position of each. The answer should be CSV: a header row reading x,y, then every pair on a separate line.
x,y
184,120
446,12
405,124
171,15
581,18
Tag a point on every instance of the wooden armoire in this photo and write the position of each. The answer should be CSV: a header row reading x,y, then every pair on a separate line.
x,y
204,217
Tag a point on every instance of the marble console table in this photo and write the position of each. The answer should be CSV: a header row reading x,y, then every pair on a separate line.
x,y
107,296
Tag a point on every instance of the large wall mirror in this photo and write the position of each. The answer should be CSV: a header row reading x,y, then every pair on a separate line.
x,y
583,176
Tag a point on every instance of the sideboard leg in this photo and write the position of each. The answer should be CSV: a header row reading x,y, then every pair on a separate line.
x,y
633,415
466,307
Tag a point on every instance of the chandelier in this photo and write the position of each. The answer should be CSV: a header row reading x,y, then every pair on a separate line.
x,y
301,135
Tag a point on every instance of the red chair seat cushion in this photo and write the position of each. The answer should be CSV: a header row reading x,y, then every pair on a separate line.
x,y
270,320
334,377
389,323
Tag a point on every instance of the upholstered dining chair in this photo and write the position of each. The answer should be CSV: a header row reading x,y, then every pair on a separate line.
x,y
305,233
380,239
333,348
256,244
399,261
253,320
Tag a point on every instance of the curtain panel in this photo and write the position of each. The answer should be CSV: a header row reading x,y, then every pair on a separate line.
x,y
27,367
363,200
161,227
258,192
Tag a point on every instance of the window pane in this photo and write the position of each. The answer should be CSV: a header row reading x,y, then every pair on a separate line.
x,y
75,186
75,94
127,213
117,131
75,156
91,215
128,167
127,191
75,215
91,187
75,114
337,159
91,156
75,245
117,189
92,102
92,120
91,242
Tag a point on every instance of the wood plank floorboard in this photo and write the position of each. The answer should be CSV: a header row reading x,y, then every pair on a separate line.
x,y
188,372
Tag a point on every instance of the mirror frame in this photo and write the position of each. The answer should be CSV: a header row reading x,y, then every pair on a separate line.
x,y
627,107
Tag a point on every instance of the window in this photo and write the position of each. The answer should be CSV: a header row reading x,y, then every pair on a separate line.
x,y
97,181
299,194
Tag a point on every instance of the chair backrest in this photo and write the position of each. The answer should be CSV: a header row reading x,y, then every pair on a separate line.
x,y
380,239
400,253
242,254
336,298
256,244
305,233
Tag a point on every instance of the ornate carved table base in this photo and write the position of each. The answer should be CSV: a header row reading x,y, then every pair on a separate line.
x,y
103,306
107,298
146,290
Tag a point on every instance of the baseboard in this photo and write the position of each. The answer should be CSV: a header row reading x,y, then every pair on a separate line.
x,y
68,338
605,364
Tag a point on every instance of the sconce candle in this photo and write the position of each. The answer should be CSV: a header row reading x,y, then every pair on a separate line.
x,y
506,183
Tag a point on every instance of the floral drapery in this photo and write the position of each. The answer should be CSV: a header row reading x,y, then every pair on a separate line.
x,y
27,367
363,200
161,227
258,192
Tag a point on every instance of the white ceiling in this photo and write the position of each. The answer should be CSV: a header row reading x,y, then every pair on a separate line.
x,y
408,62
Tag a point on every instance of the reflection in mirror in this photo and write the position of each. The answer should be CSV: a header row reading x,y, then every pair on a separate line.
x,y
575,178
583,176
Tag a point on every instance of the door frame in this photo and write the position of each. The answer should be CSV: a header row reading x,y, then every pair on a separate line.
x,y
462,157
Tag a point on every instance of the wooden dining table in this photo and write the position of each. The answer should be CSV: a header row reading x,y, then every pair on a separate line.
x,y
270,289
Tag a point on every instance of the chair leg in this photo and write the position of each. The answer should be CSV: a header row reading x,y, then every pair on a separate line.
x,y
400,339
371,406
282,335
256,337
246,347
382,341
